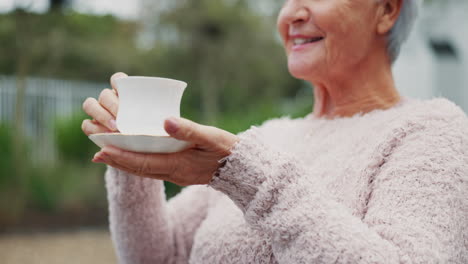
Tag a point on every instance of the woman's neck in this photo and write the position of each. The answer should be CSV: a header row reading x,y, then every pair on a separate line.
x,y
366,87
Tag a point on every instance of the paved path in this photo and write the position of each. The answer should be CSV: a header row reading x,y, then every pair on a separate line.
x,y
90,246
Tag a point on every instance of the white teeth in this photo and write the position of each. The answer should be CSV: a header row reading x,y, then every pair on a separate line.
x,y
300,41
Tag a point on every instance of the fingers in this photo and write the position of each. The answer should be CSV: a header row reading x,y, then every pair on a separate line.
x,y
103,111
89,127
139,163
99,113
114,77
109,100
100,157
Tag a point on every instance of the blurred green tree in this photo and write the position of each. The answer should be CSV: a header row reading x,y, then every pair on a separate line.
x,y
58,4
6,149
72,144
227,52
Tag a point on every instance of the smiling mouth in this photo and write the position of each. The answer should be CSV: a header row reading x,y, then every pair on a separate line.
x,y
302,41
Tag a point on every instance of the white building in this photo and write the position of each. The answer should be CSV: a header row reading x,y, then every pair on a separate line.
x,y
434,61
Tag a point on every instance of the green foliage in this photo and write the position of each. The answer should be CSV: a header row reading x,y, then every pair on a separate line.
x,y
68,45
256,114
72,143
171,189
226,51
6,155
64,185
12,186
45,188
50,187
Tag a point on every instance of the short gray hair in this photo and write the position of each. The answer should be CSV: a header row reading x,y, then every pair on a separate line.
x,y
402,28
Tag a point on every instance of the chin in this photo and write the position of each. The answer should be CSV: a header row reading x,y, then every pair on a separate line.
x,y
302,71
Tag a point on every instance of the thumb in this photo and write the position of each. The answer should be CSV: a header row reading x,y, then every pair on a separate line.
x,y
184,129
206,136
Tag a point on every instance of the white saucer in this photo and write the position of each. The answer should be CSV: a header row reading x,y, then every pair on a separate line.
x,y
140,143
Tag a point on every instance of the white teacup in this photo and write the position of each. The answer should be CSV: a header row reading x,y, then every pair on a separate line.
x,y
145,102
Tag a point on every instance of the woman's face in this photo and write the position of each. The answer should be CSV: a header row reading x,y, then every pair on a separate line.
x,y
327,36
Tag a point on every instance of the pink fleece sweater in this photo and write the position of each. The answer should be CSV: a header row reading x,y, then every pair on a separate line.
x,y
389,186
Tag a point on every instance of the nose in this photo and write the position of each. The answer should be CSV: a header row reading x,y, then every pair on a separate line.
x,y
294,12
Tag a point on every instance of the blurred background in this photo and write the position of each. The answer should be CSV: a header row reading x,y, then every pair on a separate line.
x,y
56,53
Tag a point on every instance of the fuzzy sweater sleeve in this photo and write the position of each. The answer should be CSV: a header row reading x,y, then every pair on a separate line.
x,y
147,229
416,213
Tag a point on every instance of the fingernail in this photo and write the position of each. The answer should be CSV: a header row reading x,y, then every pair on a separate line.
x,y
98,157
97,160
120,75
113,125
171,125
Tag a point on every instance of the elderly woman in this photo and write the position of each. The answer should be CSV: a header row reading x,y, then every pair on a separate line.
x,y
368,177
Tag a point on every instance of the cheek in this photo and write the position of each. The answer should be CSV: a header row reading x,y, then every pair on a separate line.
x,y
347,38
282,27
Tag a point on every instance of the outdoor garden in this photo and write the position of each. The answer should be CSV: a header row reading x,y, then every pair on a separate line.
x,y
227,51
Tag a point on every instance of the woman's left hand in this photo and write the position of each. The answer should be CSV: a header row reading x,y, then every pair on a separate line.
x,y
196,165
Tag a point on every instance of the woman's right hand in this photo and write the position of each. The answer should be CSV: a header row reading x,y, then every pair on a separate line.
x,y
102,111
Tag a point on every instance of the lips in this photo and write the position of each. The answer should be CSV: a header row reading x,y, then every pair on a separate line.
x,y
305,40
299,42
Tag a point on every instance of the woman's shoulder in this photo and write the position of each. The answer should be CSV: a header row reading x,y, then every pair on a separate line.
x,y
436,108
437,117
274,126
279,122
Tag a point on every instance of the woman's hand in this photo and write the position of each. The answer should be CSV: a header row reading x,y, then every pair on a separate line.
x,y
195,165
103,111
